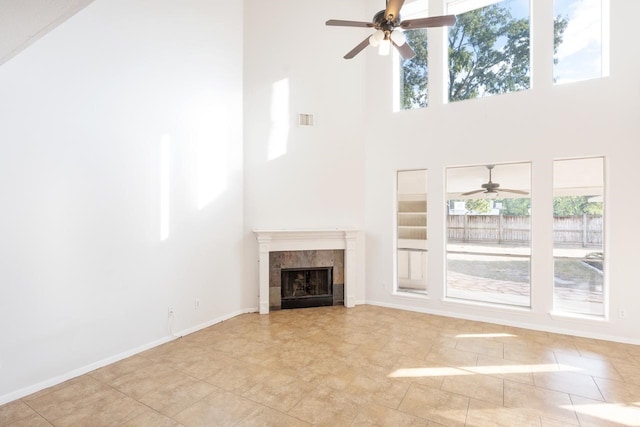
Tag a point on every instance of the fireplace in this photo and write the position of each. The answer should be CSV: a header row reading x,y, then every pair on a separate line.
x,y
348,266
306,287
310,278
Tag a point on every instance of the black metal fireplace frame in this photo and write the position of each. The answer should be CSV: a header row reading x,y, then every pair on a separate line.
x,y
307,300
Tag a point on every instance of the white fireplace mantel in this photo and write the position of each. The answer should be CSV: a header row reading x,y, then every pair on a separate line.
x,y
351,241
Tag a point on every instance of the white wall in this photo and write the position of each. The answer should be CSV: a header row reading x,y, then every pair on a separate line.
x,y
299,177
84,275
591,118
23,23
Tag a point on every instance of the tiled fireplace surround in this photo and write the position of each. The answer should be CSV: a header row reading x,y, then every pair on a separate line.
x,y
314,248
279,260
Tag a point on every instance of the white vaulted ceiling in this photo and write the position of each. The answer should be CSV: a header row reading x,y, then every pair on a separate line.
x,y
22,22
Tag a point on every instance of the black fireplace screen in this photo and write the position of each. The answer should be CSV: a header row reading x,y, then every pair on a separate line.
x,y
306,287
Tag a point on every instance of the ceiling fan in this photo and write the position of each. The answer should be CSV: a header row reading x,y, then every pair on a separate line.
x,y
492,187
385,22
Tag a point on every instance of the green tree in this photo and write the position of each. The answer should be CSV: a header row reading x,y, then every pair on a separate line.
x,y
415,73
478,206
488,54
559,25
520,206
575,205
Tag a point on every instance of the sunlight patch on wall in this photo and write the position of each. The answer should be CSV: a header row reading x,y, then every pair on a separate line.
x,y
279,134
165,184
210,132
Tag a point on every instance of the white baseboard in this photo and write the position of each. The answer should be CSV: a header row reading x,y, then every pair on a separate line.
x,y
509,322
213,322
9,397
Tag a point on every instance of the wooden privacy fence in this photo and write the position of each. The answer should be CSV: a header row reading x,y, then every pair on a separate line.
x,y
576,230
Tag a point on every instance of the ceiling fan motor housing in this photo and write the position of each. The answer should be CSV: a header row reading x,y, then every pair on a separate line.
x,y
491,187
381,23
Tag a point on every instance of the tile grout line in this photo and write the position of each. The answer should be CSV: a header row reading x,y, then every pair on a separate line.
x,y
36,412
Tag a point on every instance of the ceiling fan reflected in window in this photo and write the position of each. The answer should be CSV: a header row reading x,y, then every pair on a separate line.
x,y
388,25
491,188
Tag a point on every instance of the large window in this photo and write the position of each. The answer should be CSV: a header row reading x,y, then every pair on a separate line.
x,y
578,235
488,48
412,231
489,233
580,40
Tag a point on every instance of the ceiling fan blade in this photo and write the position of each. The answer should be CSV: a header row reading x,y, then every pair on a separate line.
x,y
392,13
341,23
356,50
404,50
434,21
468,193
506,190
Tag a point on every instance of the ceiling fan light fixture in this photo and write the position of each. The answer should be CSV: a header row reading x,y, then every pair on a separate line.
x,y
378,36
398,37
385,48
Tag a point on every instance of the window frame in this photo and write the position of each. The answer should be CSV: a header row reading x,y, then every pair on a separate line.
x,y
412,201
557,310
513,254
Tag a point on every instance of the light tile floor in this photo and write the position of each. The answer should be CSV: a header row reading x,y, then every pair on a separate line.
x,y
365,366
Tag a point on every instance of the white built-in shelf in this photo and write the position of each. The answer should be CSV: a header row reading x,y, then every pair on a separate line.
x,y
412,219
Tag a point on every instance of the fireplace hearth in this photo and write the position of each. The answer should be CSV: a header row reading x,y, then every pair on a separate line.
x,y
306,287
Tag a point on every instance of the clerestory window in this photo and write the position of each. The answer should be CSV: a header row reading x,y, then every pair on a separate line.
x,y
581,40
489,48
488,53
414,73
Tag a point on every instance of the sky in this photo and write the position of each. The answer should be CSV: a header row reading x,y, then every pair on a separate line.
x,y
580,54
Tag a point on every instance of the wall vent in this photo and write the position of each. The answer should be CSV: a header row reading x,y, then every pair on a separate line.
x,y
305,119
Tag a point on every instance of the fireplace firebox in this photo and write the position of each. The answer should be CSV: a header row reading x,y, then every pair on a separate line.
x,y
306,287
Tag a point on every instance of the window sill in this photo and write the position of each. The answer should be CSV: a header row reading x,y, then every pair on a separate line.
x,y
486,305
411,295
